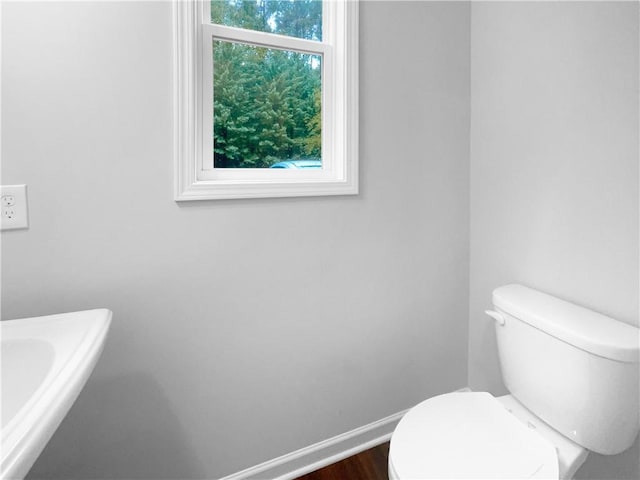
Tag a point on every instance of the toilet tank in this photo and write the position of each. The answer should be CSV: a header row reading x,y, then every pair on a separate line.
x,y
574,368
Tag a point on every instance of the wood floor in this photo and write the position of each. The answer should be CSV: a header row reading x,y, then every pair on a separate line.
x,y
368,465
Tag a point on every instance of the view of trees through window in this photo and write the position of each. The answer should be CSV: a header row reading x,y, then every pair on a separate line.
x,y
266,101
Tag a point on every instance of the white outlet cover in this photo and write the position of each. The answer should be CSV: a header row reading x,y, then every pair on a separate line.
x,y
13,207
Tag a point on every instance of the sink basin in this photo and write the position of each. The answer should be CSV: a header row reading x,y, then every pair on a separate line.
x,y
45,362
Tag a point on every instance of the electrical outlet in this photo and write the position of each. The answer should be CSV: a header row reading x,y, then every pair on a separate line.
x,y
8,200
13,207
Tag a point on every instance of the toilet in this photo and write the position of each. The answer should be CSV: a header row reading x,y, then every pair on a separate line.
x,y
572,375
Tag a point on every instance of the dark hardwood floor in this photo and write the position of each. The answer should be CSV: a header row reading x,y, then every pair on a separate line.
x,y
368,465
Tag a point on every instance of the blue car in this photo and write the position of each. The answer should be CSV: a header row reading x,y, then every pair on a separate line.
x,y
309,163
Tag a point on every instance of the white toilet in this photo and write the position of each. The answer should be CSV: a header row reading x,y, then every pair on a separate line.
x,y
573,378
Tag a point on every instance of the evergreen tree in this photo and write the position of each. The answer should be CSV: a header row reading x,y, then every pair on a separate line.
x,y
267,102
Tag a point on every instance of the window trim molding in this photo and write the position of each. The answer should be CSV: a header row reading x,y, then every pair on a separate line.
x,y
339,175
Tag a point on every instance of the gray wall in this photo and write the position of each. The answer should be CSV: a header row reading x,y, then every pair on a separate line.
x,y
554,168
223,353
243,330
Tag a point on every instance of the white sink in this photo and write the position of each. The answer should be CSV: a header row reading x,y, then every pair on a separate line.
x,y
45,363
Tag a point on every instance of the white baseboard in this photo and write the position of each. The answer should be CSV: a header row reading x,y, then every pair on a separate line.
x,y
307,459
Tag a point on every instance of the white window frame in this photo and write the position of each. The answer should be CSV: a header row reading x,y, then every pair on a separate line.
x,y
195,177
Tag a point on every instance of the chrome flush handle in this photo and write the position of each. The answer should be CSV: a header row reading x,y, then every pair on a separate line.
x,y
498,317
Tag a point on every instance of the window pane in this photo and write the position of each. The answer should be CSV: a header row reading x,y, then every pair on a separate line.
x,y
295,18
266,107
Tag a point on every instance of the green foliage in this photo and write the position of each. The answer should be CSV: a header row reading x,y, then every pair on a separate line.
x,y
296,18
299,18
267,102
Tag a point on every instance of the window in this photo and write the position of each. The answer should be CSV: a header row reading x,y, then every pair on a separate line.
x,y
266,98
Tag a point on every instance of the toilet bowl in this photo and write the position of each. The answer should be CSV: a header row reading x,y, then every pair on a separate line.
x,y
573,378
474,435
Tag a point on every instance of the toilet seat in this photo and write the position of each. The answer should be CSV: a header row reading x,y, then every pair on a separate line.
x,y
468,435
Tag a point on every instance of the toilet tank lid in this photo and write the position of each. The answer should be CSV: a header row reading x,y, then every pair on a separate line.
x,y
583,328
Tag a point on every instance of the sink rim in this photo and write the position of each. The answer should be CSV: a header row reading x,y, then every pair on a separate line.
x,y
78,339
